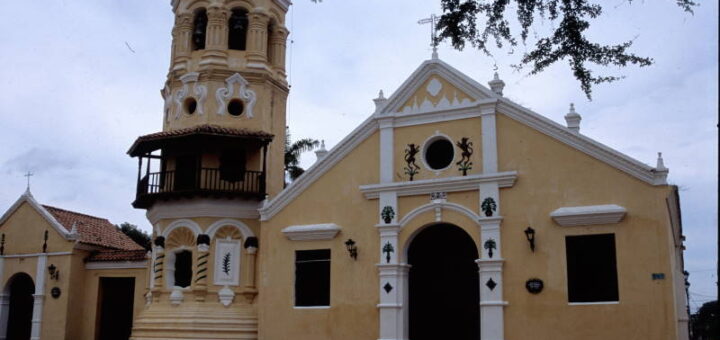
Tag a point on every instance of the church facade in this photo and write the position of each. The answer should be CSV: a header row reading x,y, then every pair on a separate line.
x,y
451,212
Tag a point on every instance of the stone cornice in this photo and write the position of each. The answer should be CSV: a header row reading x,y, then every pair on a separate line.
x,y
447,184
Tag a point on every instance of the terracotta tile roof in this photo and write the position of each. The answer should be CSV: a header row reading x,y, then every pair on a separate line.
x,y
207,129
93,230
117,255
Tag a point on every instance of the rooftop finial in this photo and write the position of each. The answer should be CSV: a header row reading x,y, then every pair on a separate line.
x,y
660,171
380,101
573,119
433,37
497,85
321,152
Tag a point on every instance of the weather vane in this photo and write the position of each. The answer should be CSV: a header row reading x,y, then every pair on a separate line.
x,y
28,175
432,20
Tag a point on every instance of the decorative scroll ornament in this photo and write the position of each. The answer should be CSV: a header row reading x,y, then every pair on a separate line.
x,y
167,102
224,94
387,249
465,164
200,92
438,196
534,285
490,245
411,169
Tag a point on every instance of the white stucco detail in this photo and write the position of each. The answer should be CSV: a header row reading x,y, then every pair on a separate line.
x,y
227,93
227,263
325,231
190,224
588,215
244,230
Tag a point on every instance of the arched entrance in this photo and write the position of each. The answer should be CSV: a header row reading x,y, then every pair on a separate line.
x,y
19,324
443,282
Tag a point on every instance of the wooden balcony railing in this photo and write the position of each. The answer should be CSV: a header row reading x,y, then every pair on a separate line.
x,y
205,181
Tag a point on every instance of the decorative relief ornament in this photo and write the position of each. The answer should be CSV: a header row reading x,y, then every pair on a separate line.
x,y
488,206
466,146
411,169
490,245
387,249
534,285
224,94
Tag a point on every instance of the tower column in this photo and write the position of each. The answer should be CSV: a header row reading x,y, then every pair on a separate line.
x,y
157,269
216,37
181,41
200,287
257,37
277,40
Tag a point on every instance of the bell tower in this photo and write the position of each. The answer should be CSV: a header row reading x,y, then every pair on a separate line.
x,y
203,177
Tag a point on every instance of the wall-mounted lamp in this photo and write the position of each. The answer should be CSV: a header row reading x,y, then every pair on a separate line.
x,y
352,249
530,235
54,272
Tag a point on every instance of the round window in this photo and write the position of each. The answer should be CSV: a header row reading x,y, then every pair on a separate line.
x,y
190,105
439,153
235,107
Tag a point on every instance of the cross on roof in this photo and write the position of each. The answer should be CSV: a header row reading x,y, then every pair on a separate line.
x,y
432,20
28,175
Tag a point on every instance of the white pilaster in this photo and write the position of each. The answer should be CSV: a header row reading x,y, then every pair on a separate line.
x,y
386,149
489,140
39,297
393,286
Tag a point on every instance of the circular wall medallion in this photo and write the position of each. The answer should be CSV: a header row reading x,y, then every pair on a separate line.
x,y
235,107
534,286
438,153
55,292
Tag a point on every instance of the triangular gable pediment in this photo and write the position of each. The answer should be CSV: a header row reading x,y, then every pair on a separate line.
x,y
436,86
30,200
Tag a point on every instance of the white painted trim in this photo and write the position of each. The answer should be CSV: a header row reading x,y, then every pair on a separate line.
x,y
387,150
116,265
36,254
582,143
588,215
244,230
445,184
441,69
28,197
334,156
442,205
203,208
325,231
38,298
593,303
190,224
423,150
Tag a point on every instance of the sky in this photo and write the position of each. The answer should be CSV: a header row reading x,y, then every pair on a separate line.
x,y
81,80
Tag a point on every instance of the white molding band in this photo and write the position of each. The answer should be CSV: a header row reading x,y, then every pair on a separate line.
x,y
310,232
36,254
444,184
116,265
202,208
588,215
432,206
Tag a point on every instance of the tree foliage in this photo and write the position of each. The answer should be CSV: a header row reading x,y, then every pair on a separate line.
x,y
482,22
705,324
140,237
292,154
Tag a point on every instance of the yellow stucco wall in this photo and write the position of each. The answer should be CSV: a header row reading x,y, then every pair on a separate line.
x,y
421,134
550,175
353,293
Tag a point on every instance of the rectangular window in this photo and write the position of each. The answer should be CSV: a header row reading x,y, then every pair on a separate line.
x,y
591,268
312,278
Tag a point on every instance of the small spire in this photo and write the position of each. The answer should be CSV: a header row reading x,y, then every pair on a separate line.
x,y
497,85
573,119
380,101
661,171
660,163
74,230
321,152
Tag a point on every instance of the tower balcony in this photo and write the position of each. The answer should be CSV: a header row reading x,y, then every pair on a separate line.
x,y
201,161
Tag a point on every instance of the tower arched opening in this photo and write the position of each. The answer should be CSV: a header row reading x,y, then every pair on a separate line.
x,y
237,29
199,29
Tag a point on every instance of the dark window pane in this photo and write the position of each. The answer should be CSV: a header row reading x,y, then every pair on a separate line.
x,y
199,30
591,268
232,165
237,29
439,154
183,268
312,277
